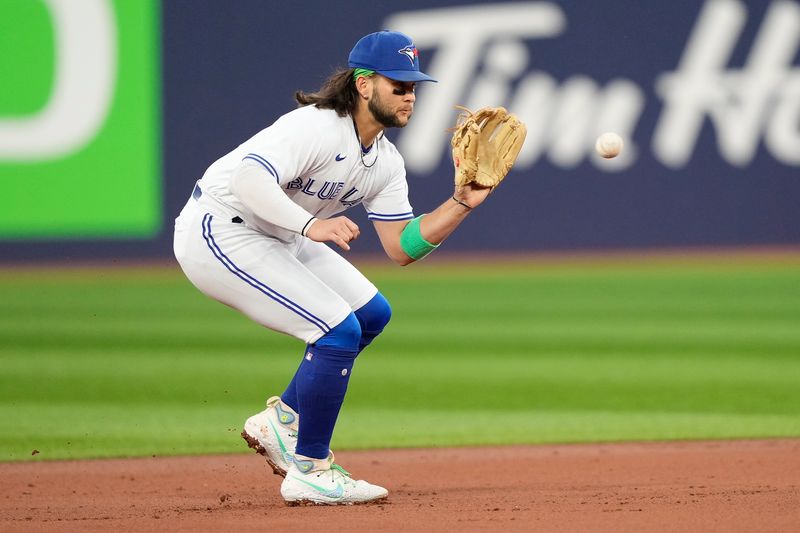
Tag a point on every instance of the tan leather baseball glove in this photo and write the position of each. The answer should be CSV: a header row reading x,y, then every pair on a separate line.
x,y
485,145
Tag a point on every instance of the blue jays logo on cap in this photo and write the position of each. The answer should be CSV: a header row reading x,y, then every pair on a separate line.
x,y
410,52
389,53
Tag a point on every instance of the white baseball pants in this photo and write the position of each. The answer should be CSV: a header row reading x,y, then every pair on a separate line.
x,y
301,288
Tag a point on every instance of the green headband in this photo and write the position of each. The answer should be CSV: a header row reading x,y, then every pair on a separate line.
x,y
365,72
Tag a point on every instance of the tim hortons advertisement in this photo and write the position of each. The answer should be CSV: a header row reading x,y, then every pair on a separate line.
x,y
705,97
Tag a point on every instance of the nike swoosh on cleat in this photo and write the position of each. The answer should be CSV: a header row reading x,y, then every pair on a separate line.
x,y
339,157
280,441
335,494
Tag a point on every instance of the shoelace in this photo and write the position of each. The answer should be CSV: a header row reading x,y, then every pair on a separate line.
x,y
344,474
334,466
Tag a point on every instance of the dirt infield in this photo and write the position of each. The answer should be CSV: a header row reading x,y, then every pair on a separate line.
x,y
684,486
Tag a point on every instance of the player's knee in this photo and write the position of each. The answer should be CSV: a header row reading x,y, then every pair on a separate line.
x,y
345,336
374,316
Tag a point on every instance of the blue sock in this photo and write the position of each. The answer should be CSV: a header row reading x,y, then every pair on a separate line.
x,y
289,396
372,317
321,384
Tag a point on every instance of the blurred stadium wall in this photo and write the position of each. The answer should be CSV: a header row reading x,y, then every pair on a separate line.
x,y
110,110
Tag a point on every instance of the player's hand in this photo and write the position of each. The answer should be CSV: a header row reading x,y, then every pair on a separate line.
x,y
339,230
472,194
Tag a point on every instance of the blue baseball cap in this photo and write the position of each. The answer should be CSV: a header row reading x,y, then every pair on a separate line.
x,y
389,53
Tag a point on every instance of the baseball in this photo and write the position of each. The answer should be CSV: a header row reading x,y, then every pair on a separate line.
x,y
608,145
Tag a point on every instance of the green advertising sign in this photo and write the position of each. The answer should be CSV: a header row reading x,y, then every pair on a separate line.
x,y
80,119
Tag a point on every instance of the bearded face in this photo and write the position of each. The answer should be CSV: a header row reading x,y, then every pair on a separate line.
x,y
395,110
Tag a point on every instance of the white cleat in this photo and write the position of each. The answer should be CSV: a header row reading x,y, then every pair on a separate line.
x,y
273,434
323,482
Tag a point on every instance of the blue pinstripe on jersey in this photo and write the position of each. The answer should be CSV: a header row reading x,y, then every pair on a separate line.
x,y
253,282
264,163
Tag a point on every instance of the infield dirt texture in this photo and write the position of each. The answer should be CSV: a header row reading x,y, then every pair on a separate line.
x,y
132,361
694,486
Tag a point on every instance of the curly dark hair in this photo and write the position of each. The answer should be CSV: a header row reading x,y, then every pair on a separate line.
x,y
337,93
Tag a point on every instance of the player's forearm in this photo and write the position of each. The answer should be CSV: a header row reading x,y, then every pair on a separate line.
x,y
406,242
260,193
441,222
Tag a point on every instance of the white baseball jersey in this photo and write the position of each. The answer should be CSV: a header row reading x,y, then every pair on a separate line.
x,y
278,278
316,157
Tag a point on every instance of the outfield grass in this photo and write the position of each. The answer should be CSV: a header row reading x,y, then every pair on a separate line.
x,y
134,361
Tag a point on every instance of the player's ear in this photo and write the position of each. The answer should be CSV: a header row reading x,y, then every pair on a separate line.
x,y
363,86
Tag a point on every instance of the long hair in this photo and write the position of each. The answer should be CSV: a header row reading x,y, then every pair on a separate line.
x,y
337,93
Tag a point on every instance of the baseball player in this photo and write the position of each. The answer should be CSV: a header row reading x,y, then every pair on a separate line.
x,y
253,236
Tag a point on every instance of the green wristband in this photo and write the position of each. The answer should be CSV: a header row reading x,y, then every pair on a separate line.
x,y
413,243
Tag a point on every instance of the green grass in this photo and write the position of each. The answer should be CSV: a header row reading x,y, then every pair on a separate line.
x,y
127,361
